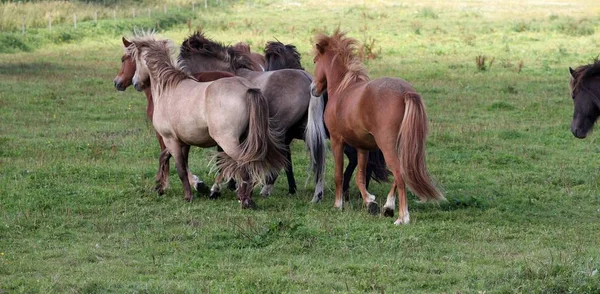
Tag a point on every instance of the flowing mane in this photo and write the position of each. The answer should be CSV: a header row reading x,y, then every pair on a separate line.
x,y
289,53
343,49
157,54
585,71
198,44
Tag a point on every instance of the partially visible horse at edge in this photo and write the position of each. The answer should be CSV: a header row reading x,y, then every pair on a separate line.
x,y
124,79
385,113
287,92
280,56
585,91
227,112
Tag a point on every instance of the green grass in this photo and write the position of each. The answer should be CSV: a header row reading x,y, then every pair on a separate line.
x,y
78,158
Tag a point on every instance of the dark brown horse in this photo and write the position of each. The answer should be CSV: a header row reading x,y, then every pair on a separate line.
x,y
288,93
384,113
280,56
585,91
124,79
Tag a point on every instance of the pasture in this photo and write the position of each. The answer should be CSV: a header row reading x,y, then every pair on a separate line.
x,y
78,213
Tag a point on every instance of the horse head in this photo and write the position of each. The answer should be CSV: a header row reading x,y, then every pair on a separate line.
x,y
585,91
125,74
280,56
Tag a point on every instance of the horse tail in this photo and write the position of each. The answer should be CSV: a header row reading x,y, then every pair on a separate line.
x,y
377,164
261,150
315,136
410,147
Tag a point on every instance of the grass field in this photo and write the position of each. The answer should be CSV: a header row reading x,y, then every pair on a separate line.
x,y
77,162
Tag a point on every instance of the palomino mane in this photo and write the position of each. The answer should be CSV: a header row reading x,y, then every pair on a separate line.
x,y
343,48
157,54
276,48
198,44
585,71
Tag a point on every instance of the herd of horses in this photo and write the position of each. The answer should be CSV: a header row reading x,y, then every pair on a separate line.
x,y
251,107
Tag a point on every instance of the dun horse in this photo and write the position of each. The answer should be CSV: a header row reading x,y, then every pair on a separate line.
x,y
124,79
287,92
585,91
280,56
366,114
227,112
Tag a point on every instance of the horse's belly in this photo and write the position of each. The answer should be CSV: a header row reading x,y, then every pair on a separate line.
x,y
196,136
365,142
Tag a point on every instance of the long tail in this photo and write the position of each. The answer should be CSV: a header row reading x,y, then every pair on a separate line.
x,y
410,146
261,151
315,136
377,164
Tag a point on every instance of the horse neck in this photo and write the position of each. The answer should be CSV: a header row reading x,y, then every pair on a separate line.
x,y
593,88
335,76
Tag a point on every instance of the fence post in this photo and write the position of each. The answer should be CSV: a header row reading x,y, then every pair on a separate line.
x,y
164,8
205,4
149,12
96,16
115,14
75,20
23,24
178,8
193,6
50,23
133,12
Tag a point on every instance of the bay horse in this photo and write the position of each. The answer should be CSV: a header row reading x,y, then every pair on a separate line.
x,y
366,114
124,79
280,56
287,91
227,112
585,91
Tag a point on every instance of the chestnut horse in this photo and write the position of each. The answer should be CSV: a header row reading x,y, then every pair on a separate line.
x,y
258,60
288,93
227,112
124,79
280,56
585,91
367,114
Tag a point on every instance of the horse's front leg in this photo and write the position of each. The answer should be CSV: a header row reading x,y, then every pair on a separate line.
x,y
289,170
176,149
194,180
268,187
337,148
368,198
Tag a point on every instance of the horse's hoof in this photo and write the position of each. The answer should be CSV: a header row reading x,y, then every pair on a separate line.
x,y
232,185
159,190
317,198
389,212
189,198
373,208
248,204
346,195
292,190
214,195
202,188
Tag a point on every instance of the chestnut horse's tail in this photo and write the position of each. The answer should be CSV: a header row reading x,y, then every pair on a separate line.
x,y
410,146
261,151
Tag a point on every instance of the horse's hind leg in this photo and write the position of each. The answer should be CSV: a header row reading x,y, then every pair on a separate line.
x,y
368,198
215,190
162,176
337,148
245,192
352,162
391,158
268,187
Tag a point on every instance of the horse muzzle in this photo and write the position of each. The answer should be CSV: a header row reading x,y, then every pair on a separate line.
x,y
578,133
119,85
138,86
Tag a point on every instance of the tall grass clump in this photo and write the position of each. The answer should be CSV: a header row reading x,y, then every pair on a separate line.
x,y
427,12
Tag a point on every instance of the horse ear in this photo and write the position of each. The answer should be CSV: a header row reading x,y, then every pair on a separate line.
x,y
571,71
126,42
320,48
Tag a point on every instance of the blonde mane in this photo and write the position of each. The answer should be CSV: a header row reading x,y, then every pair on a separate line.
x,y
343,49
157,54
